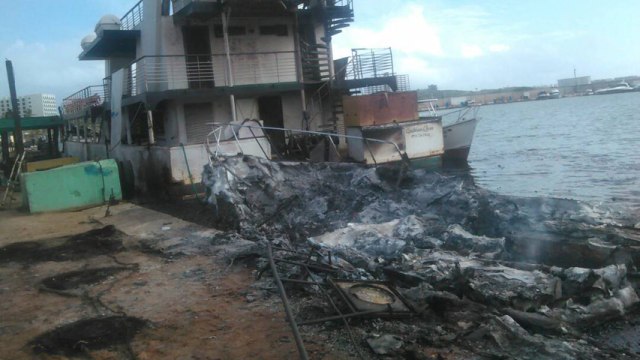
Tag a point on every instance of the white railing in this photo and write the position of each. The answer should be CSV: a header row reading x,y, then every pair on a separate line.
x,y
371,63
133,17
172,72
230,132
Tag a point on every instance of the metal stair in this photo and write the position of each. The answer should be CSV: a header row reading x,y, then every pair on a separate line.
x,y
315,62
339,14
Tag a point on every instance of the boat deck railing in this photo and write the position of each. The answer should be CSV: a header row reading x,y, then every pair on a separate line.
x,y
465,113
215,137
206,71
90,96
132,19
461,114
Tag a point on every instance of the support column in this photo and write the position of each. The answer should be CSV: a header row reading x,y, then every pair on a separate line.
x,y
84,128
300,73
152,138
56,140
85,140
50,141
17,134
5,152
296,42
225,30
332,70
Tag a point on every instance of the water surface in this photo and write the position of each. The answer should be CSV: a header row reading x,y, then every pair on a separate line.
x,y
583,148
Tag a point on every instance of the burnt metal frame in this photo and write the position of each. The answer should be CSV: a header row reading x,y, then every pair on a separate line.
x,y
306,267
219,127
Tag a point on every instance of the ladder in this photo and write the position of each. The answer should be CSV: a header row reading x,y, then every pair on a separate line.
x,y
13,181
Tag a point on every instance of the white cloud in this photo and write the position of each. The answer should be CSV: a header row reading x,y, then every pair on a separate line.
x,y
498,48
428,38
470,51
406,31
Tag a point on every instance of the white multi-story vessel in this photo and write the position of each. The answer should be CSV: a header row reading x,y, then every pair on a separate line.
x,y
174,67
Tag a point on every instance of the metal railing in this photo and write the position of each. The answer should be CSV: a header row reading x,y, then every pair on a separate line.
x,y
90,96
467,113
370,63
348,3
133,17
106,83
458,115
171,72
220,129
402,82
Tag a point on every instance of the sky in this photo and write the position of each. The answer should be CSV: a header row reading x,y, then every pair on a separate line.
x,y
468,45
455,44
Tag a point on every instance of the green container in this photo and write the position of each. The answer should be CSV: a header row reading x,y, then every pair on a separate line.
x,y
74,186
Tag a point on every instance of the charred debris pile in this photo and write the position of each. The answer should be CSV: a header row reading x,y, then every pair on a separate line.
x,y
451,265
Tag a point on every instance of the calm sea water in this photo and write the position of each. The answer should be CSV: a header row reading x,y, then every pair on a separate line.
x,y
583,148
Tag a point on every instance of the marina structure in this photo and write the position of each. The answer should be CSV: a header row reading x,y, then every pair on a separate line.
x,y
174,68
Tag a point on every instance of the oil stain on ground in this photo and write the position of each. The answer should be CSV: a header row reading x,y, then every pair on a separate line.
x,y
75,279
87,335
103,241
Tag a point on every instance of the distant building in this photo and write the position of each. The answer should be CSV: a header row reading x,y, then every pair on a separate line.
x,y
31,105
574,85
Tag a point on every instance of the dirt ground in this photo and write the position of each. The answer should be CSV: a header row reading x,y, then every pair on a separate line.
x,y
195,306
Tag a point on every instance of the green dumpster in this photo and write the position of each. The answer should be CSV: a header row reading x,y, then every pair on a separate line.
x,y
73,186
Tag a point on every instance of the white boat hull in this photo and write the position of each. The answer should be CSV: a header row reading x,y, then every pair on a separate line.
x,y
419,139
613,91
458,138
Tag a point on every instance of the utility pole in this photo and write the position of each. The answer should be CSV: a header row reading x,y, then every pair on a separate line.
x,y
17,131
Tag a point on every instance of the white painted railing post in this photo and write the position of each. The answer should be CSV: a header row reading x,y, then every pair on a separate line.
x,y
225,30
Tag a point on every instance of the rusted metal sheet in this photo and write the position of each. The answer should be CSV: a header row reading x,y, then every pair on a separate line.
x,y
380,109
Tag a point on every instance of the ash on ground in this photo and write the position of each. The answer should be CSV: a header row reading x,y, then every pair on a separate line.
x,y
489,275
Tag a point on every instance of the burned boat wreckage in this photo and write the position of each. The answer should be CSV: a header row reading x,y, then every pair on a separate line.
x,y
430,264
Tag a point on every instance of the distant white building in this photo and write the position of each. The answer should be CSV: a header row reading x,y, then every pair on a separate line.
x,y
574,85
32,105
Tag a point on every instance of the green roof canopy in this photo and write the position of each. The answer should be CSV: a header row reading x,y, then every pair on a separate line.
x,y
32,123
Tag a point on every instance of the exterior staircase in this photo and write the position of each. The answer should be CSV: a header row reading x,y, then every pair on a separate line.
x,y
338,15
315,62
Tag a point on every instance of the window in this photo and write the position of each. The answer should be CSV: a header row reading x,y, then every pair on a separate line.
x,y
278,30
233,31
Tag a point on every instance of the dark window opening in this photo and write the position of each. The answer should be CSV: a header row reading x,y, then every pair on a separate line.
x,y
158,123
138,125
278,30
270,110
232,30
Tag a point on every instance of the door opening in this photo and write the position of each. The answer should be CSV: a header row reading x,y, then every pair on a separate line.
x,y
270,110
197,48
